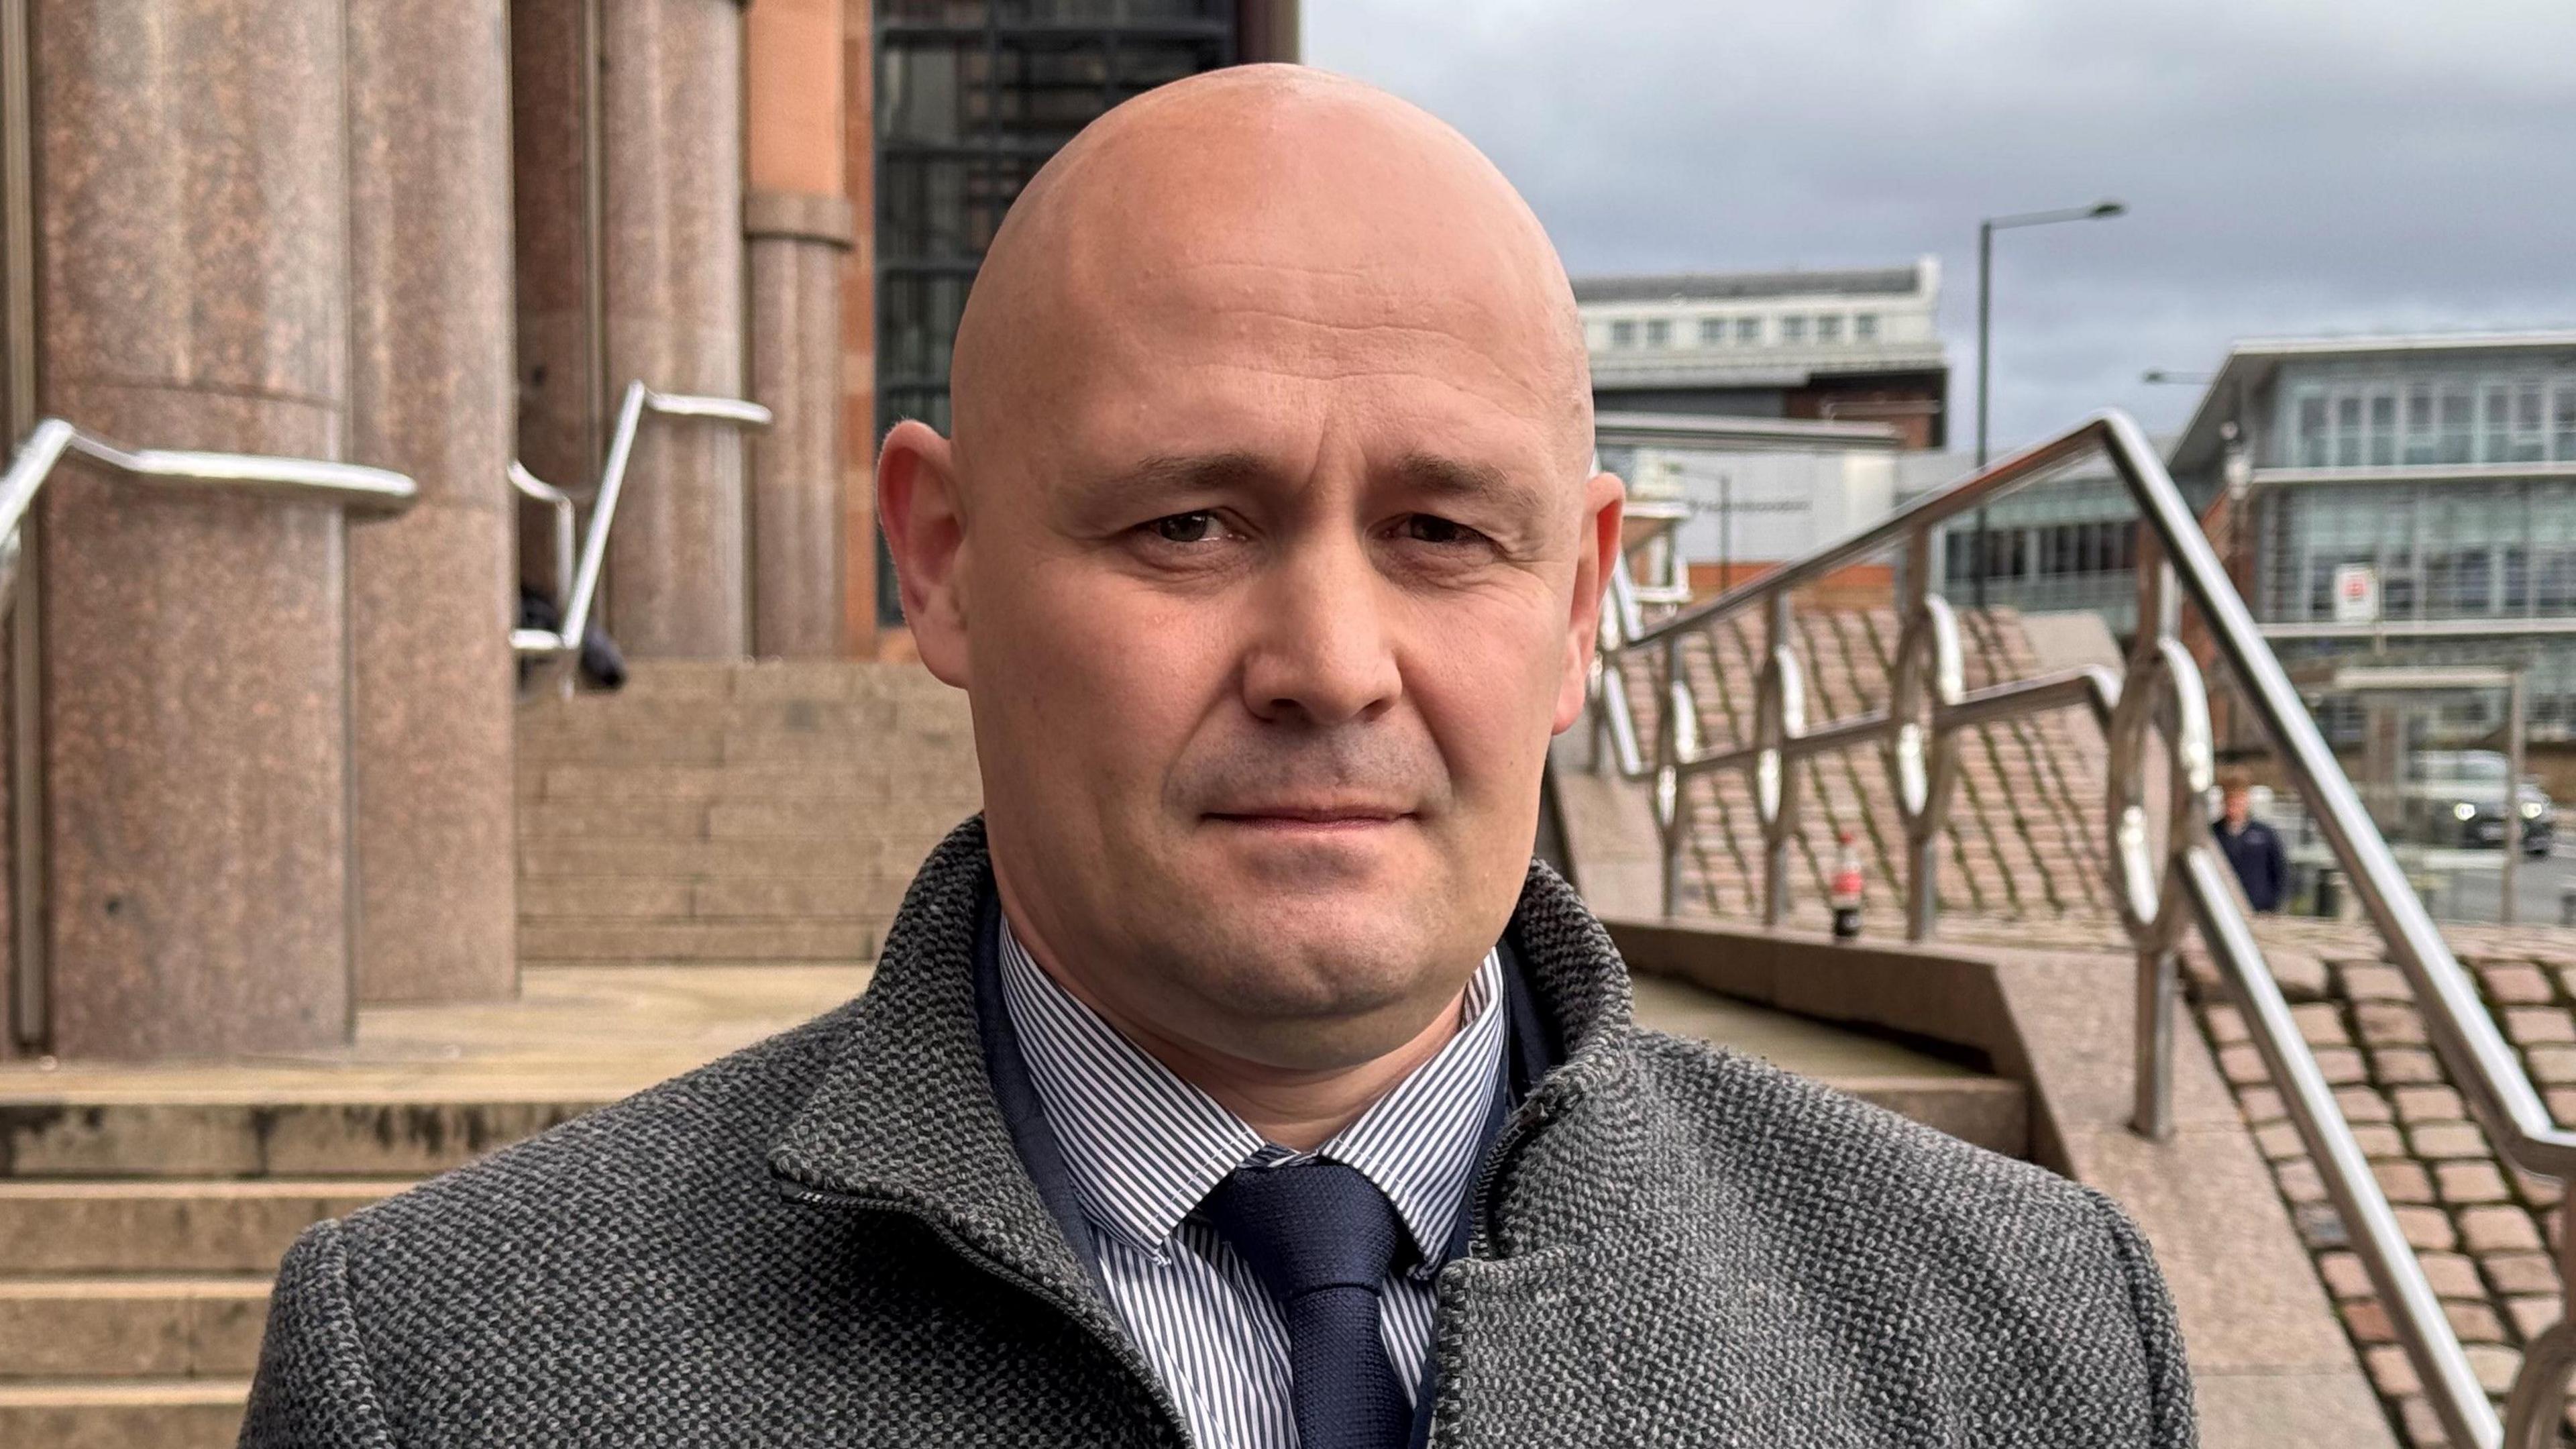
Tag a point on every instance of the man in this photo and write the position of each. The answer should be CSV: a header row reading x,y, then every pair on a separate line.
x,y
2251,846
1237,1080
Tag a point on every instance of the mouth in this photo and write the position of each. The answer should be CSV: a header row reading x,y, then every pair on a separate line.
x,y
1304,818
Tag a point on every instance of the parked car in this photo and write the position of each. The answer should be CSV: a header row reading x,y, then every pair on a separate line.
x,y
2457,797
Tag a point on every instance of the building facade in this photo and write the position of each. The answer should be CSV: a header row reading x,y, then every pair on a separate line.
x,y
972,97
1856,345
2436,474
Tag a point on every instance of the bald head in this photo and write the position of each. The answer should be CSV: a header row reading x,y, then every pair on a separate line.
x,y
1269,192
1269,551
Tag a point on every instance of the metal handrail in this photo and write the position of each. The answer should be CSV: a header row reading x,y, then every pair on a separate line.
x,y
580,580
2159,892
353,486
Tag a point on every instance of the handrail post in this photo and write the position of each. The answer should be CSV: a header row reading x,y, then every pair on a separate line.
x,y
1923,838
1671,813
1777,830
2158,968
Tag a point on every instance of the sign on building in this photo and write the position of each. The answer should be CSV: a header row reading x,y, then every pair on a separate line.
x,y
2356,594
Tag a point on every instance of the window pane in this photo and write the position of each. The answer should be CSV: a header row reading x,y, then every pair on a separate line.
x,y
1659,332
2491,438
2347,431
2458,417
1623,334
2565,423
1748,329
2422,446
2530,441
1829,329
2383,429
2312,432
1712,331
1865,327
1793,329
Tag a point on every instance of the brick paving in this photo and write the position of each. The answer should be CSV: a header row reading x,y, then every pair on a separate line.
x,y
2021,864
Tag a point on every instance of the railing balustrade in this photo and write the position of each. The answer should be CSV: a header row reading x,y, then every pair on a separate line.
x,y
578,581
2165,874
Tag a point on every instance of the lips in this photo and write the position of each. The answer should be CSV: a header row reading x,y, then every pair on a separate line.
x,y
1312,814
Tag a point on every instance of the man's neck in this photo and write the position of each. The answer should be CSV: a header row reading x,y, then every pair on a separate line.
x,y
1297,1108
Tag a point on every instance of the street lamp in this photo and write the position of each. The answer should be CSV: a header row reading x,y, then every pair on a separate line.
x,y
1986,230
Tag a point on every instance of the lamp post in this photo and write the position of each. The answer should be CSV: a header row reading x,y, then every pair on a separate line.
x,y
1986,230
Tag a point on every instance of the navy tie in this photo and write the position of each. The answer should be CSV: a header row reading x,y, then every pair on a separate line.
x,y
1321,1238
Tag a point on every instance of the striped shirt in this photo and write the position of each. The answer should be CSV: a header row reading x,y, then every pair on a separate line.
x,y
1144,1147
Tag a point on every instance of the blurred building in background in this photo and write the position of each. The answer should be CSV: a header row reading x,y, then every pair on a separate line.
x,y
2411,499
1854,345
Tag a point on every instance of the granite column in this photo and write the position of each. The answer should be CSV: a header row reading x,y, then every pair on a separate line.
x,y
191,214
432,594
798,228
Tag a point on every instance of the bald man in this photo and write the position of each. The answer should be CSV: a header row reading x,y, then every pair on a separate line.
x,y
1237,1079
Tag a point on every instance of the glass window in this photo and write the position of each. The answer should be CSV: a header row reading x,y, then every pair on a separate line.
x,y
1748,329
1829,329
1865,327
2555,592
2312,432
1794,329
2517,580
2530,440
2383,429
1659,332
1712,331
2493,437
2422,446
2564,421
2458,423
1623,334
2347,451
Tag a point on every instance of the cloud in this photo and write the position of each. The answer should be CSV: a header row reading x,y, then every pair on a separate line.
x,y
2291,167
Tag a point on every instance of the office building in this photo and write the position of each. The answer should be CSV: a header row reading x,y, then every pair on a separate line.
x,y
1851,345
2408,498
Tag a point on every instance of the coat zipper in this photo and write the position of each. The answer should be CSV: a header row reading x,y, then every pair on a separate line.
x,y
1118,1347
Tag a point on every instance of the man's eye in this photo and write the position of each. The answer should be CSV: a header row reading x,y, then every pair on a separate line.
x,y
1199,527
1431,528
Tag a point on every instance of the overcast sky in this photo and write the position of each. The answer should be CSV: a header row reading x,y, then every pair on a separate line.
x,y
2292,167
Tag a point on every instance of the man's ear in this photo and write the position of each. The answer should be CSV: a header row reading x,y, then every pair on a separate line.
x,y
922,510
1604,502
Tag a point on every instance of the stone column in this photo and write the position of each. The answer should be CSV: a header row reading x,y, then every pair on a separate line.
x,y
670,139
859,337
432,594
798,227
191,212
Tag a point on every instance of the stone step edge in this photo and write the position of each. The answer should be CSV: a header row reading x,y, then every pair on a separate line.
x,y
133,1287
112,1393
67,1189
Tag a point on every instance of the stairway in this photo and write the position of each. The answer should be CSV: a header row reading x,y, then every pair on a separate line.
x,y
138,1239
729,812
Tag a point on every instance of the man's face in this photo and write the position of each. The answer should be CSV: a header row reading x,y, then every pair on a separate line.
x,y
1272,592
2236,803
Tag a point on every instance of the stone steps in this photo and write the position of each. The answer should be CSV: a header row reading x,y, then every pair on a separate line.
x,y
277,1134
72,1228
735,813
123,1414
130,1328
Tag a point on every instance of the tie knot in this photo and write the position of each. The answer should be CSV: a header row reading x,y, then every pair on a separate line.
x,y
1307,1226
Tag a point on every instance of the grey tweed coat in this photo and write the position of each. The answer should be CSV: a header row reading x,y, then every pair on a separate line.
x,y
828,1239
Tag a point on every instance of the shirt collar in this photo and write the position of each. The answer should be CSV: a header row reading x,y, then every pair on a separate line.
x,y
1144,1147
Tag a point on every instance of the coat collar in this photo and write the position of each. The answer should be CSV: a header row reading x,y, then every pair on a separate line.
x,y
905,1117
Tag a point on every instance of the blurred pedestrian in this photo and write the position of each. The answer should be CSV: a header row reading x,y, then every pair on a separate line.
x,y
2251,846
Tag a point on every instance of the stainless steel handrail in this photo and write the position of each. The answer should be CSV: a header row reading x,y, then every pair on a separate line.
x,y
2160,890
360,490
352,486
580,580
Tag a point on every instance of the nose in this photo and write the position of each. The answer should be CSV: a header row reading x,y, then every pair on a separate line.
x,y
1322,652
